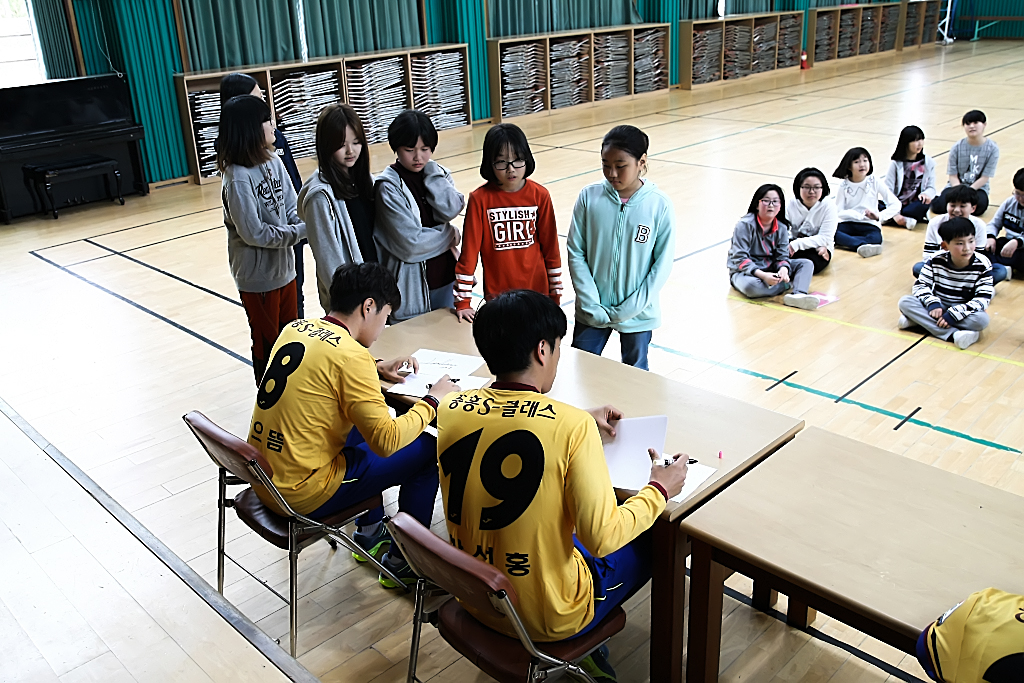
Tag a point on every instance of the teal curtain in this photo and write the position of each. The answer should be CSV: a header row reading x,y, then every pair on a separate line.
x,y
990,8
141,39
225,33
697,9
54,40
338,27
519,17
666,12
746,6
462,21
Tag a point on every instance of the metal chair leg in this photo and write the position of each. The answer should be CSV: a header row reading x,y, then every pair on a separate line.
x,y
417,624
221,535
293,586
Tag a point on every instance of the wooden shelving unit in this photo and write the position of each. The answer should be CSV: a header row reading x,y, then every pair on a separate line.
x,y
542,72
378,85
853,30
736,46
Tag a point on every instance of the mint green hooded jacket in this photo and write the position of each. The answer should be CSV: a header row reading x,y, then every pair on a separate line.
x,y
620,256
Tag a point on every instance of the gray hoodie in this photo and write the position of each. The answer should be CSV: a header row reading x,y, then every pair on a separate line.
x,y
403,243
332,237
754,249
260,215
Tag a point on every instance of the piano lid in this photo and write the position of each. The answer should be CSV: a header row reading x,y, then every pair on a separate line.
x,y
64,107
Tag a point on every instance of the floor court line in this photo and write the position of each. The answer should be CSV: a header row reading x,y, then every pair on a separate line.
x,y
904,420
825,394
133,227
873,374
114,252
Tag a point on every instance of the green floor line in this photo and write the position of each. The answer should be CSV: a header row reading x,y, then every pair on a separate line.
x,y
834,397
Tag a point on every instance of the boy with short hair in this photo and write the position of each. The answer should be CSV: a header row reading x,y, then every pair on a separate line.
x,y
972,161
520,514
961,204
416,201
954,289
1009,249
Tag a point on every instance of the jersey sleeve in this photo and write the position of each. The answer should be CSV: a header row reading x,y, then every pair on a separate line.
x,y
465,269
602,525
547,236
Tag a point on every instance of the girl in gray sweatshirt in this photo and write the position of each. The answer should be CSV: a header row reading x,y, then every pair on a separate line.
x,y
261,220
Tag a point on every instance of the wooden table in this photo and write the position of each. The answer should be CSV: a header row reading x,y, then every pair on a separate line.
x,y
878,541
701,423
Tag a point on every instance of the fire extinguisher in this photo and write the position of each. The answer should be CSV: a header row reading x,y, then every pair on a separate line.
x,y
803,60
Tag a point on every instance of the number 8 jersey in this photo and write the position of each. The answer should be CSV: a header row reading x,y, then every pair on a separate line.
x,y
519,474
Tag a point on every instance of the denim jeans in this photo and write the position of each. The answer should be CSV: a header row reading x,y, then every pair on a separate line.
x,y
633,344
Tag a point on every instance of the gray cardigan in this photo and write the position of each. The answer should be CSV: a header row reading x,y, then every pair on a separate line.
x,y
403,243
752,249
262,223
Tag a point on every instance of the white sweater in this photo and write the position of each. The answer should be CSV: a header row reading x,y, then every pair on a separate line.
x,y
814,227
854,199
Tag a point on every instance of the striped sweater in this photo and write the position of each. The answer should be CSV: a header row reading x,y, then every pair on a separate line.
x,y
960,291
933,241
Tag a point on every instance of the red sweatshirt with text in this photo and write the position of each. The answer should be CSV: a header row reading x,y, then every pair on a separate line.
x,y
515,236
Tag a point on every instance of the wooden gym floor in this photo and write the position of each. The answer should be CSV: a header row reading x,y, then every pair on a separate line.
x,y
121,319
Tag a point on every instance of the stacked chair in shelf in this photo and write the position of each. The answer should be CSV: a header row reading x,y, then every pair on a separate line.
x,y
650,64
737,51
204,108
378,92
847,34
910,36
868,23
765,40
824,37
707,54
522,79
570,72
790,40
438,88
931,23
611,66
890,25
298,98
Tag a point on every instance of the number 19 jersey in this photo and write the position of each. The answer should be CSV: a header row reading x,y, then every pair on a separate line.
x,y
519,473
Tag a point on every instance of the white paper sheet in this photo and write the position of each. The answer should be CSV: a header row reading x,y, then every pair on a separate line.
x,y
696,474
436,364
626,454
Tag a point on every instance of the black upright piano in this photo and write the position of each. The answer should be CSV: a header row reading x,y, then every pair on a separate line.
x,y
62,119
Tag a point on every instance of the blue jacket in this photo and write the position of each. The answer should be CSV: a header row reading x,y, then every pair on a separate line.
x,y
620,256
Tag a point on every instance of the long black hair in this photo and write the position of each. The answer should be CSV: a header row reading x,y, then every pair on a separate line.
x,y
907,135
241,139
235,84
331,125
759,194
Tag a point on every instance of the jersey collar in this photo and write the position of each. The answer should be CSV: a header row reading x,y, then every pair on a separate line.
x,y
514,386
335,321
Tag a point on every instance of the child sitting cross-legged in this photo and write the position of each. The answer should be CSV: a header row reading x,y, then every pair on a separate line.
x,y
961,202
953,290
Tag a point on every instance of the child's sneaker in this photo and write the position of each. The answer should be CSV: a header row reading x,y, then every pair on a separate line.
x,y
597,666
373,544
808,302
869,250
909,223
904,323
403,571
964,338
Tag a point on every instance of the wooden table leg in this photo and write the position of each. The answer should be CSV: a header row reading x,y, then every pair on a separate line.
x,y
799,615
668,602
765,597
707,583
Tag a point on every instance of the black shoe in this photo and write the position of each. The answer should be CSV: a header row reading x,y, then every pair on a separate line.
x,y
403,571
375,544
597,665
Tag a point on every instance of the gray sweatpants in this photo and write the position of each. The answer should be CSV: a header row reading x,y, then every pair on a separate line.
x,y
800,272
916,313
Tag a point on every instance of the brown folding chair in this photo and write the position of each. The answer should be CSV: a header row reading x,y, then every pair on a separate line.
x,y
446,570
241,463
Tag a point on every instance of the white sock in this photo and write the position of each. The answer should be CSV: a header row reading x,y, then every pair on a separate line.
x,y
370,529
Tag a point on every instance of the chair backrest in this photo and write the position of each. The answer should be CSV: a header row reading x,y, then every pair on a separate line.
x,y
469,579
227,450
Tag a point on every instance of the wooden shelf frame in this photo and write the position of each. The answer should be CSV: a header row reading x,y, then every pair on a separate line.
x,y
497,46
910,30
267,74
755,20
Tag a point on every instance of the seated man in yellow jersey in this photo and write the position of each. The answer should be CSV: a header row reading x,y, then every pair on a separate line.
x,y
321,421
520,473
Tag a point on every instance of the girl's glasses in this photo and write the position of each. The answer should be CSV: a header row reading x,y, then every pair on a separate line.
x,y
811,188
771,202
503,165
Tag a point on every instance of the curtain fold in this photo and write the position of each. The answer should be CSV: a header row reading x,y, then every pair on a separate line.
x,y
746,6
98,36
226,33
462,21
338,27
519,17
54,41
697,9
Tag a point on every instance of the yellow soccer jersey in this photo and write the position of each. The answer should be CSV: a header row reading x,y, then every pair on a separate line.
x,y
519,473
321,382
981,639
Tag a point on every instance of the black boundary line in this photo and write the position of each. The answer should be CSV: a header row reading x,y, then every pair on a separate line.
x,y
140,225
824,637
868,378
907,418
142,308
151,244
783,380
114,252
269,648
